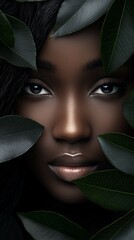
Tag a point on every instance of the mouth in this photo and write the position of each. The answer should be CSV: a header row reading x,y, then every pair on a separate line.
x,y
69,167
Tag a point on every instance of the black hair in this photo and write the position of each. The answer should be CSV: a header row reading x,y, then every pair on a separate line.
x,y
40,18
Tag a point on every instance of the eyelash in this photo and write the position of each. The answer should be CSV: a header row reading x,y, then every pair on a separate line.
x,y
110,83
39,87
107,82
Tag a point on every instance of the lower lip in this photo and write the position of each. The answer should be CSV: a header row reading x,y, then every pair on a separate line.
x,y
71,173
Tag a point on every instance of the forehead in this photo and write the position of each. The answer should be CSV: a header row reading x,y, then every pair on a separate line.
x,y
73,50
69,54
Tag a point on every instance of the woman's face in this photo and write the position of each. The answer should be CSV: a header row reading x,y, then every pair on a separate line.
x,y
75,100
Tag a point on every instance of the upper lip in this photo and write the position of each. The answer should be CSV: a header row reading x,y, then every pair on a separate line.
x,y
73,160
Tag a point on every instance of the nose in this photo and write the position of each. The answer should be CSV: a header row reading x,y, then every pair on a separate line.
x,y
72,124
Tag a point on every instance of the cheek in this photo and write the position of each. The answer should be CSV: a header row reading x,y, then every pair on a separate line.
x,y
108,117
43,112
40,111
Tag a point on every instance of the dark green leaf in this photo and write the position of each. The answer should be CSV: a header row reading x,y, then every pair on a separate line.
x,y
119,149
122,229
6,31
117,43
76,15
24,53
110,189
31,0
17,135
129,109
49,225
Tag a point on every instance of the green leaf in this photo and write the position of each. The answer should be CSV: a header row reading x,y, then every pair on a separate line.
x,y
128,108
76,15
50,225
6,31
31,0
17,135
122,229
119,149
110,189
24,52
117,43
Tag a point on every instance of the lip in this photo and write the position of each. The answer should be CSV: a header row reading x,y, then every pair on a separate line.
x,y
69,166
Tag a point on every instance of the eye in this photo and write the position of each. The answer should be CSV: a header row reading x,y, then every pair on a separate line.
x,y
36,89
105,89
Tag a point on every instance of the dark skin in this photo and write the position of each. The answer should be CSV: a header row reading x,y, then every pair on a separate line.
x,y
75,100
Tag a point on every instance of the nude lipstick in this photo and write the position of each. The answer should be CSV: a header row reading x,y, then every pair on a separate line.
x,y
72,166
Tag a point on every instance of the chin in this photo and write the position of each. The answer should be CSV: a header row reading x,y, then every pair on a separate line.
x,y
67,193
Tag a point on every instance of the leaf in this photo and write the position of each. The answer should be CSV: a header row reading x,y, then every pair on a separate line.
x,y
17,135
49,225
76,15
119,149
6,31
128,108
117,43
122,229
24,52
31,0
109,188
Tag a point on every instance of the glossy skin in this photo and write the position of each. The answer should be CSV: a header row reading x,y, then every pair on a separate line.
x,y
76,102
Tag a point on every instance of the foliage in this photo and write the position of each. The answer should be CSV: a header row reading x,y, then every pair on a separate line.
x,y
117,34
113,189
31,0
17,135
74,16
121,229
18,35
52,224
117,193
7,36
119,148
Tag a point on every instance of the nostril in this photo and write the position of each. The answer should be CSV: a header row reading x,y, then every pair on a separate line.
x,y
72,140
79,137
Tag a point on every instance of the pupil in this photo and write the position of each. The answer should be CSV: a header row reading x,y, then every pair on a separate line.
x,y
107,88
36,89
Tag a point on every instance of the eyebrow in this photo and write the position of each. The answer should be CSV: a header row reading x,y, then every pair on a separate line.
x,y
49,67
46,65
91,65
